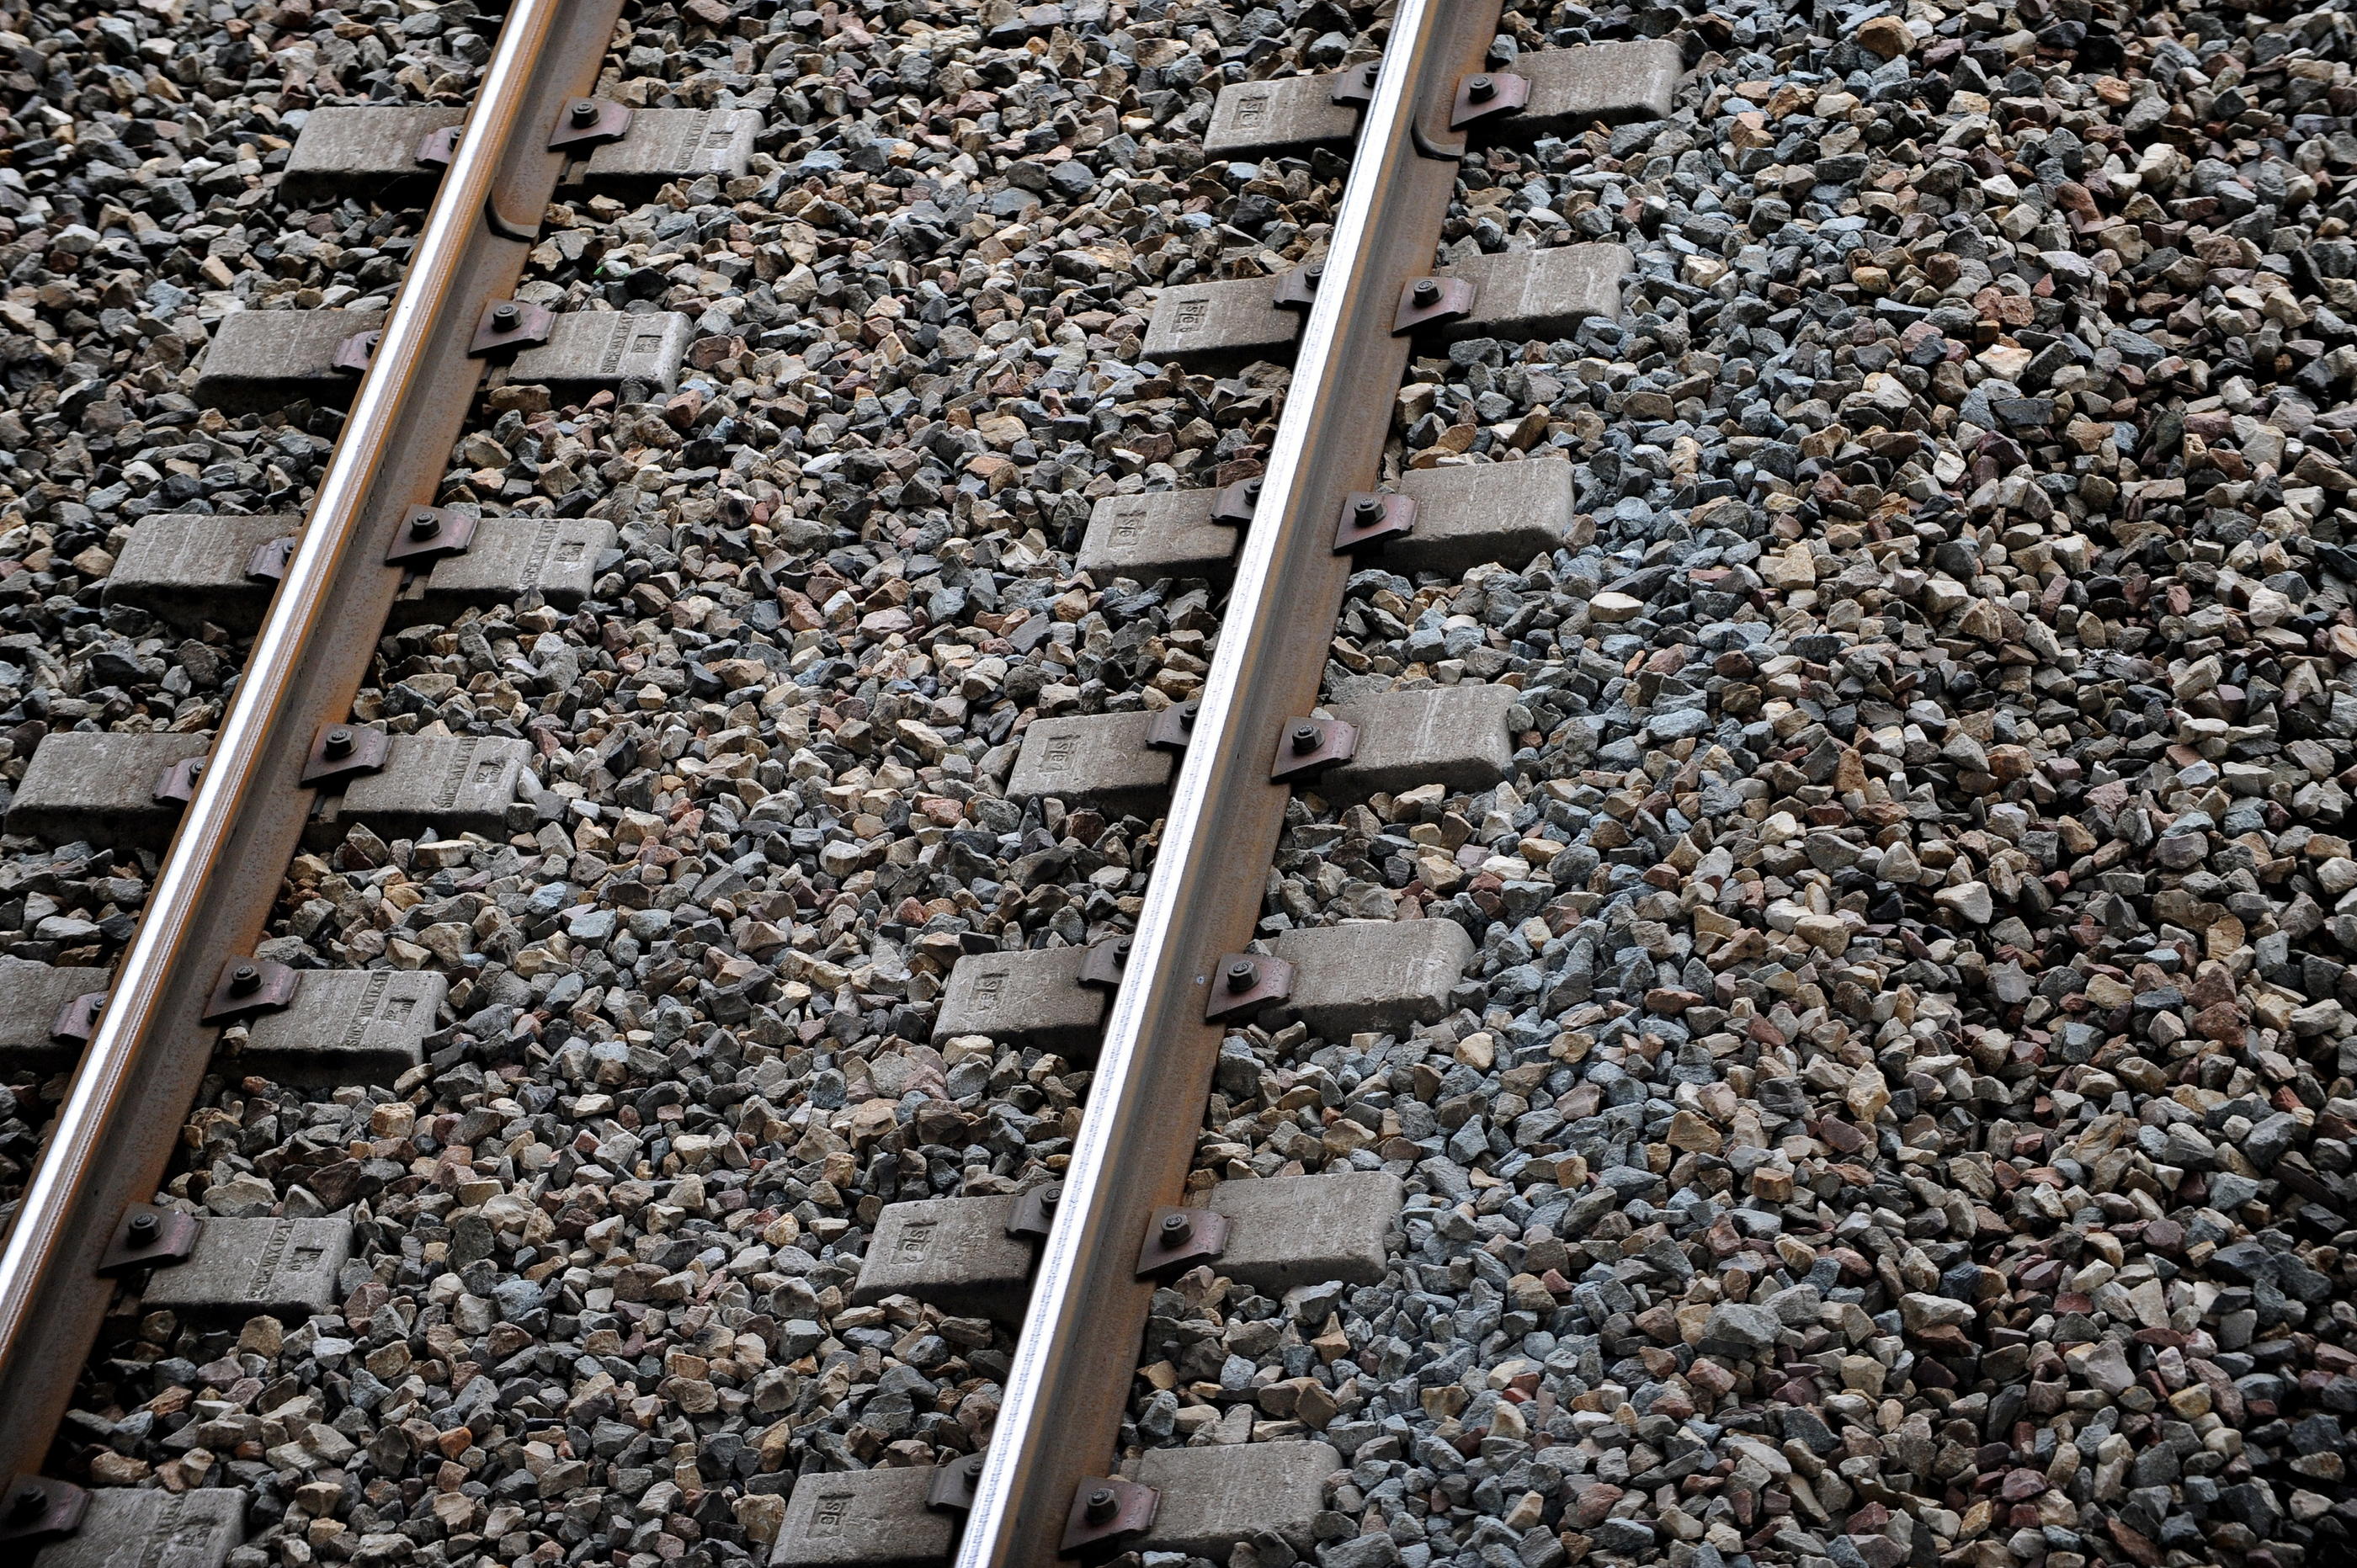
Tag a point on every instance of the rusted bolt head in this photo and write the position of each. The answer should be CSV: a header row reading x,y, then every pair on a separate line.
x,y
142,1229
245,980
1368,509
424,524
1100,1505
584,111
338,743
1425,291
1176,1229
1305,738
1243,973
1481,90
504,314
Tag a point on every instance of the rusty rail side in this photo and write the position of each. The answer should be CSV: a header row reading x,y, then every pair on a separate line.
x,y
112,1141
1076,1353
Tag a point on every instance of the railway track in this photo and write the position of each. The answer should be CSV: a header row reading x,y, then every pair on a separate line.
x,y
1043,1487
83,1219
84,1213
1252,730
906,869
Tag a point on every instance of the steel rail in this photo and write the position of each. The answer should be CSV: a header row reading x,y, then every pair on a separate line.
x,y
112,1143
1076,1354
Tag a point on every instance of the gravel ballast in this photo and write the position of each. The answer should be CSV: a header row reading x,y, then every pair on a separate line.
x,y
1901,1109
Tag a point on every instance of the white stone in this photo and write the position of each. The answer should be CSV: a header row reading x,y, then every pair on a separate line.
x,y
1970,899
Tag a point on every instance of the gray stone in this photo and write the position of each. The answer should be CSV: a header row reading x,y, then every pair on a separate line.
x,y
1452,735
346,1026
189,568
1379,1551
1623,1535
1286,115
1161,534
433,785
2105,1364
1026,998
1740,1330
1474,513
285,1267
2271,1139
1374,975
1285,1231
1101,758
142,1527
588,353
1214,1498
2229,1192
665,144
346,151
1225,321
31,997
952,1252
876,1518
102,788
510,557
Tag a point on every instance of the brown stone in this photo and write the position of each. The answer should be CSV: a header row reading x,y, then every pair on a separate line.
x,y
1886,36
2223,1021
